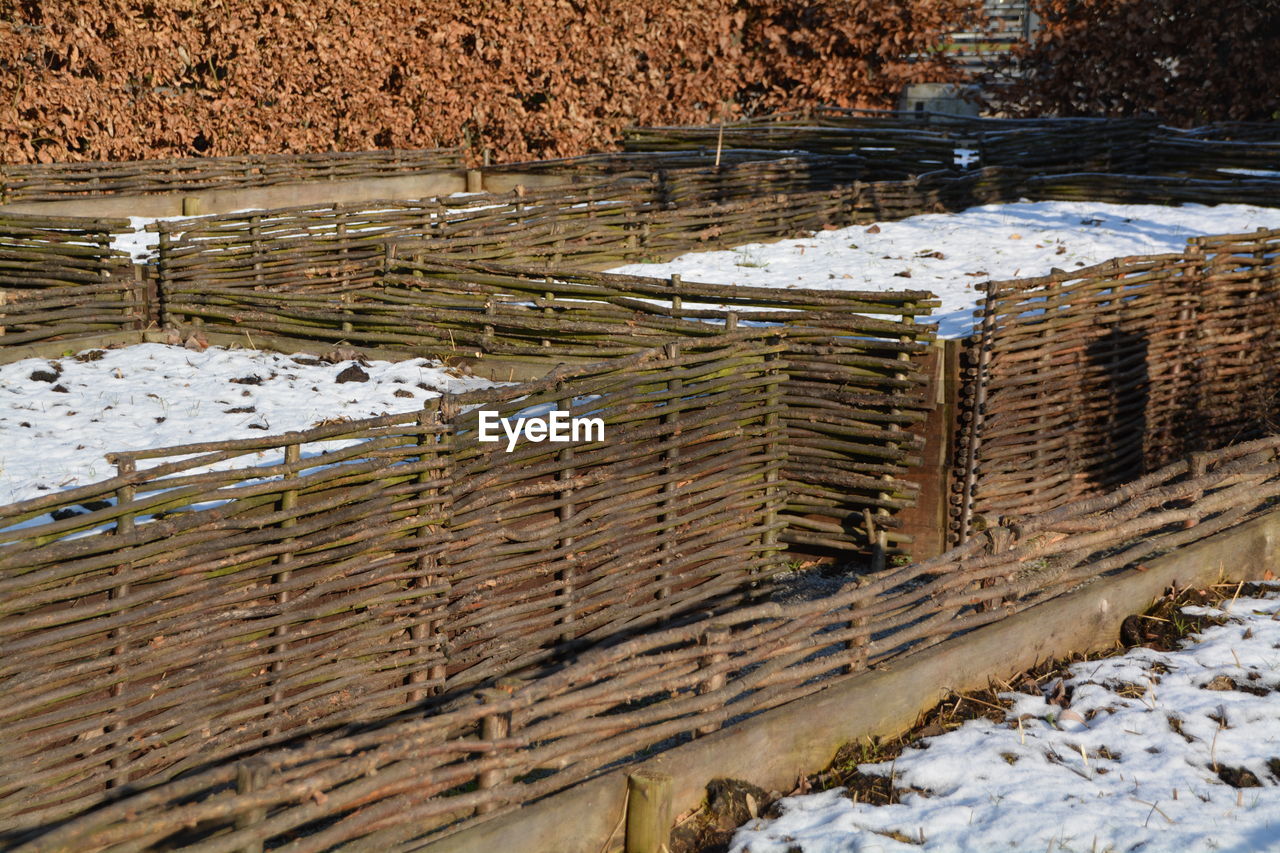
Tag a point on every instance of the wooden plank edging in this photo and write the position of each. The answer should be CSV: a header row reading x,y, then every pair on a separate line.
x,y
776,747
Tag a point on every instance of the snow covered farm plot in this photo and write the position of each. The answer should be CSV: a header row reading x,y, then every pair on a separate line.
x,y
950,254
1149,751
61,416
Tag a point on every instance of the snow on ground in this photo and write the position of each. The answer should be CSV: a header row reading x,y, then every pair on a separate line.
x,y
140,244
950,253
58,417
1138,761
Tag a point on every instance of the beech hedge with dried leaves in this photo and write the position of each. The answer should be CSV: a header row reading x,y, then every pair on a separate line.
x,y
1189,62
127,79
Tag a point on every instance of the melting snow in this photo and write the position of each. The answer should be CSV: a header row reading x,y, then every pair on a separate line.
x,y
58,417
951,253
1147,757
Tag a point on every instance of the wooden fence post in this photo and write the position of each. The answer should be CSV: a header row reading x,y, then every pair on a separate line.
x,y
164,274
978,403
251,777
124,527
714,635
344,268
565,516
548,310
773,490
493,727
426,632
649,796
288,501
140,297
671,461
255,234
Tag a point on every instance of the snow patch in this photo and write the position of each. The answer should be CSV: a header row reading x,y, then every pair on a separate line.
x,y
1157,751
950,253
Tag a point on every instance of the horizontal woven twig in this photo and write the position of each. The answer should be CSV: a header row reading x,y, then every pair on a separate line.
x,y
59,181
174,616
1090,378
390,785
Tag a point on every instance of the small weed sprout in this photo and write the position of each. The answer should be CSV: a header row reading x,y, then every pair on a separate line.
x,y
748,257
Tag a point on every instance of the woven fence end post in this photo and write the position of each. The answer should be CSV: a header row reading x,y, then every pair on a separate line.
x,y
649,796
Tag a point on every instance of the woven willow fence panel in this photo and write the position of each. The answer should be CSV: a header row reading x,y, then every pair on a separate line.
x,y
855,389
1086,379
174,616
896,147
886,145
605,222
855,393
602,223
326,591
389,787
60,181
60,277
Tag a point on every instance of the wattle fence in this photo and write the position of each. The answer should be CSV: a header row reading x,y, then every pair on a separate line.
x,y
66,181
894,149
380,631
1084,380
856,394
59,277
403,784
236,595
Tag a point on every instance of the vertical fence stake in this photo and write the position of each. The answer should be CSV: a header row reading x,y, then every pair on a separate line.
x,y
255,234
251,777
858,646
671,459
774,494
565,515
164,283
388,257
714,635
1191,286
427,631
124,527
142,309
880,544
649,795
492,727
341,231
288,501
549,311
979,402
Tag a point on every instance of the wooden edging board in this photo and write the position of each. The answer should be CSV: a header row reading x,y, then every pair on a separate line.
x,y
777,747
195,202
318,191
62,346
